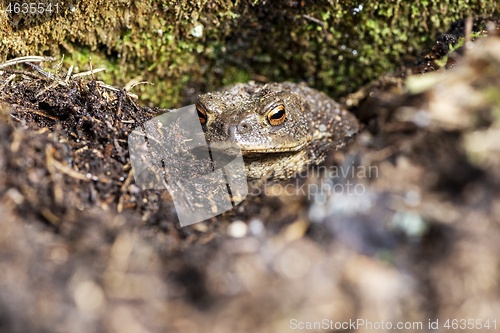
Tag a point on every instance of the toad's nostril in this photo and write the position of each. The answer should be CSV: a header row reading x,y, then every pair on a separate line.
x,y
243,127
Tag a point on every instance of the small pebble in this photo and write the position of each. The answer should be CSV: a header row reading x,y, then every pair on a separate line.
x,y
256,227
237,229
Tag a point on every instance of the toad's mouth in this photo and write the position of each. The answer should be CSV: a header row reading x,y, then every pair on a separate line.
x,y
245,149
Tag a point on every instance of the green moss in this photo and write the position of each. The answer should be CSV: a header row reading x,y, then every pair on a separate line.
x,y
460,43
203,45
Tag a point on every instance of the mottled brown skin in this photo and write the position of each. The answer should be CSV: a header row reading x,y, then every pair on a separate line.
x,y
237,118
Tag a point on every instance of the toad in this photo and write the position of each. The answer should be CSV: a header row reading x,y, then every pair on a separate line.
x,y
280,128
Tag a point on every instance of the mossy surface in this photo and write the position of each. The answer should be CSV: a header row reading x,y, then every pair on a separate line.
x,y
188,47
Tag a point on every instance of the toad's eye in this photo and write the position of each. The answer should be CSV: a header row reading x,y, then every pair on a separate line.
x,y
277,115
202,114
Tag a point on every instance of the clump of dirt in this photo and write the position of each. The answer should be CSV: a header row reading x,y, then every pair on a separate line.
x,y
70,143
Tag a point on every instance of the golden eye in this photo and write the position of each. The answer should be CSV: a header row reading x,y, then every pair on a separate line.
x,y
277,115
202,114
